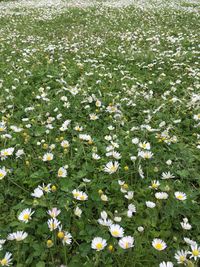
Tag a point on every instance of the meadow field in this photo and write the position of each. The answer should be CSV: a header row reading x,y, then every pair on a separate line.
x,y
99,133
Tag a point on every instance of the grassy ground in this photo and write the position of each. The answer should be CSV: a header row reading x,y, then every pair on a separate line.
x,y
132,67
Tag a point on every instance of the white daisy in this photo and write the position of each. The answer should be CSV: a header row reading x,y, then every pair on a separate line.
x,y
54,212
145,145
195,252
111,167
47,157
25,215
3,173
150,204
98,243
166,264
18,236
6,261
154,184
78,212
159,244
180,196
53,224
126,242
80,195
116,230
185,224
161,195
167,175
37,193
181,256
62,172
67,239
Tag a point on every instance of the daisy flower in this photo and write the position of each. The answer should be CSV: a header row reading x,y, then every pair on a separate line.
x,y
161,195
126,242
98,243
65,144
116,230
6,261
95,156
79,195
53,224
180,196
2,126
18,236
93,117
150,204
111,167
189,241
67,239
54,212
3,173
129,195
45,188
132,208
6,152
62,172
154,184
37,193
145,145
47,157
181,256
185,225
78,212
166,264
195,252
25,215
145,154
167,175
135,141
159,244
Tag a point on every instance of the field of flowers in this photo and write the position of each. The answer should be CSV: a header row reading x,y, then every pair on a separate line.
x,y
99,133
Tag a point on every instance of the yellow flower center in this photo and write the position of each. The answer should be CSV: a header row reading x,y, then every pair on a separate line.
x,y
113,168
195,252
60,173
159,246
52,225
1,175
5,153
49,157
180,196
4,262
115,233
125,186
1,129
99,246
26,216
182,258
154,185
49,243
126,245
65,145
82,197
60,235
